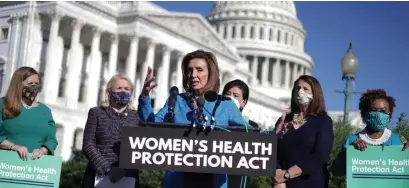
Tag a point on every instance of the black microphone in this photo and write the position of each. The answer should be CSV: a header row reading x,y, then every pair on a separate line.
x,y
211,96
200,104
173,93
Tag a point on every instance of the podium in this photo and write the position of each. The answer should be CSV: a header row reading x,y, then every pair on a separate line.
x,y
238,152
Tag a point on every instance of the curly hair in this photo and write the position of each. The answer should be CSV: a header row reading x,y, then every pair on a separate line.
x,y
369,96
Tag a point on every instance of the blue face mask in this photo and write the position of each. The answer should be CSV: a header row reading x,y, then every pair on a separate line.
x,y
376,121
121,98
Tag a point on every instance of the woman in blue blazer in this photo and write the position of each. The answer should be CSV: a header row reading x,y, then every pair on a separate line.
x,y
200,74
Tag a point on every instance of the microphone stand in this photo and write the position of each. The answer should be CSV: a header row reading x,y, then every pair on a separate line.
x,y
199,180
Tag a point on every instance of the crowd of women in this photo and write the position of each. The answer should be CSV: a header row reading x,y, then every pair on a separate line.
x,y
305,132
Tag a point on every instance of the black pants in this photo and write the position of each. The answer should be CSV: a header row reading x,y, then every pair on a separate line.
x,y
88,180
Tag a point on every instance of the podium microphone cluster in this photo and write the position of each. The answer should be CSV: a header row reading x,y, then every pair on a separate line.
x,y
173,93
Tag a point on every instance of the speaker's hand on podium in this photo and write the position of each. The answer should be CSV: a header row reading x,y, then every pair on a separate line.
x,y
149,83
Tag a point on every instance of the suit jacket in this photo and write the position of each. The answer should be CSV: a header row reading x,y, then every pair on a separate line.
x,y
102,137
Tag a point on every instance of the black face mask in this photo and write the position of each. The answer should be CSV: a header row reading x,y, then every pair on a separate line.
x,y
30,93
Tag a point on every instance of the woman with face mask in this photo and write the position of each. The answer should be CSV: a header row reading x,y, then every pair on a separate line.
x,y
305,138
102,136
200,74
239,92
26,126
376,111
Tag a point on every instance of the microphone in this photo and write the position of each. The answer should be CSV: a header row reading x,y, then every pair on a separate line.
x,y
200,104
173,93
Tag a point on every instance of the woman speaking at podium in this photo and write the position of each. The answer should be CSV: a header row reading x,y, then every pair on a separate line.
x,y
200,74
26,126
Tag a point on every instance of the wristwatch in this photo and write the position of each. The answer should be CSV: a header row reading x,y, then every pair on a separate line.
x,y
287,175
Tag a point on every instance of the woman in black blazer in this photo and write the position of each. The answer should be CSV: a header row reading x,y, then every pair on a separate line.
x,y
102,133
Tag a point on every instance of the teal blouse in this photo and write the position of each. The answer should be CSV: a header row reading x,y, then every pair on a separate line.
x,y
32,128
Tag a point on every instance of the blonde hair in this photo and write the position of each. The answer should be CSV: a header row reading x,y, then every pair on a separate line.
x,y
111,84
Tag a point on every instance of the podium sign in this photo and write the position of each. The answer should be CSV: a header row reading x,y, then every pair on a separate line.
x,y
220,152
377,168
16,173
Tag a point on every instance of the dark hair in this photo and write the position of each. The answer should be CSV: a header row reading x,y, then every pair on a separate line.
x,y
240,84
317,105
365,102
213,82
12,102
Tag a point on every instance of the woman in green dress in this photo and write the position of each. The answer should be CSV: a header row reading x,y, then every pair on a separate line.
x,y
26,126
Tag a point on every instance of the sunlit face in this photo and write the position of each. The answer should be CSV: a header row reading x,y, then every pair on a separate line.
x,y
198,74
32,80
301,84
237,93
121,85
381,105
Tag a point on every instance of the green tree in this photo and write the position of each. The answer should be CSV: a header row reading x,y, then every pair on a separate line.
x,y
402,126
73,170
341,133
259,182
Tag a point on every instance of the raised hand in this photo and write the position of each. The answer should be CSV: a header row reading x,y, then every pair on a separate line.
x,y
149,83
280,126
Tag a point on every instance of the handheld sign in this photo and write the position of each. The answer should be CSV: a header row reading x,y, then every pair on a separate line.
x,y
250,154
16,173
378,167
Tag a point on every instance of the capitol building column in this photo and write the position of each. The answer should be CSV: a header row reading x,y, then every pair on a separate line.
x,y
149,62
294,74
308,72
254,67
131,63
163,78
276,76
264,73
74,66
237,31
113,55
179,73
52,68
94,75
221,30
229,31
287,74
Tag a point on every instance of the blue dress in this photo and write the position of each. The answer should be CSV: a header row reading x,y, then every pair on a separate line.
x,y
226,114
389,138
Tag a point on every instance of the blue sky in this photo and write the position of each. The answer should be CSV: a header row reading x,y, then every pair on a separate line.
x,y
379,32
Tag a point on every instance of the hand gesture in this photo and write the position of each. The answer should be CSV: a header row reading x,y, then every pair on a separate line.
x,y
149,83
37,153
279,178
360,144
22,151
